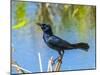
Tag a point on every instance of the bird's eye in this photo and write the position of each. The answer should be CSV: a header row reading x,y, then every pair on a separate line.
x,y
43,27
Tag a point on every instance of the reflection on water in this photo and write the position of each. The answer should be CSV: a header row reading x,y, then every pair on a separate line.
x,y
28,41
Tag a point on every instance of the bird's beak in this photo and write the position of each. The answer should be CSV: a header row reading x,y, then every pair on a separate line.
x,y
39,24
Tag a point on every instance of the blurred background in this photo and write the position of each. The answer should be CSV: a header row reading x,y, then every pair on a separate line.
x,y
73,23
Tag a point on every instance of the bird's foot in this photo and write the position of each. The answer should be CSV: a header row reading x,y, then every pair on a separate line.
x,y
60,59
55,59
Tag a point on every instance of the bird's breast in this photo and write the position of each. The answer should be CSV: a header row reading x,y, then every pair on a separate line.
x,y
46,37
46,40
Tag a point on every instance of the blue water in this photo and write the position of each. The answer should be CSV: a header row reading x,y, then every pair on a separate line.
x,y
28,41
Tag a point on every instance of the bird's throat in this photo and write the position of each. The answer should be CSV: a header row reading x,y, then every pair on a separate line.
x,y
49,33
45,35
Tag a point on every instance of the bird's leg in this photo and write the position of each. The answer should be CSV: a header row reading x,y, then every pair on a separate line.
x,y
59,56
62,53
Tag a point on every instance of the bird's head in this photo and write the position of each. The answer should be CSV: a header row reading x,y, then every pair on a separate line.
x,y
45,27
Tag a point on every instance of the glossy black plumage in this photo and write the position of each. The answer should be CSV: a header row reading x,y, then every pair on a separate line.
x,y
57,43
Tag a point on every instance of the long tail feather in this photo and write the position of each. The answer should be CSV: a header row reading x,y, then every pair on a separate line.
x,y
83,46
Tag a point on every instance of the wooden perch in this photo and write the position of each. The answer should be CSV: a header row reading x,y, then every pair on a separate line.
x,y
54,67
50,64
58,64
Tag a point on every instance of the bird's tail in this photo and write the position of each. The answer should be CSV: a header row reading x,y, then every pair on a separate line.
x,y
83,46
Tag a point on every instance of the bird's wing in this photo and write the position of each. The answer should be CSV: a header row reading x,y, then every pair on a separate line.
x,y
58,42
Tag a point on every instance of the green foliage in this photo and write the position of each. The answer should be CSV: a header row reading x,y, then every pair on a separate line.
x,y
82,17
19,25
20,11
20,15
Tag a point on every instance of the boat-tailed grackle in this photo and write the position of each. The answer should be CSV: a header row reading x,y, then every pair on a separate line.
x,y
57,43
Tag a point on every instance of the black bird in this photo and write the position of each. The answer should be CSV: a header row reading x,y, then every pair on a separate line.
x,y
57,43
